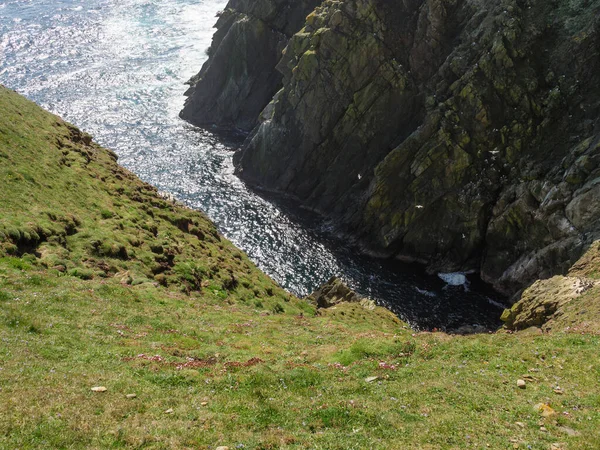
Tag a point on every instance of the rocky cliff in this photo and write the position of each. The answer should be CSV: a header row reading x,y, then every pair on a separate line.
x,y
462,134
239,78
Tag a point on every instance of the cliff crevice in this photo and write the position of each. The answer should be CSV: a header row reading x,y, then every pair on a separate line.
x,y
458,133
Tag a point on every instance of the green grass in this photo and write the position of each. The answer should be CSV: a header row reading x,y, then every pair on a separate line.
x,y
103,283
66,335
269,380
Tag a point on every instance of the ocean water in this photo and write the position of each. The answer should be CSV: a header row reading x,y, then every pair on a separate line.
x,y
117,69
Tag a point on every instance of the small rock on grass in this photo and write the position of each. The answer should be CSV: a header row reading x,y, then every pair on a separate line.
x,y
521,384
222,447
99,389
131,396
568,431
203,403
169,411
371,379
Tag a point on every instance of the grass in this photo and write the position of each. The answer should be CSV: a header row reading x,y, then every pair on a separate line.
x,y
104,283
67,206
233,375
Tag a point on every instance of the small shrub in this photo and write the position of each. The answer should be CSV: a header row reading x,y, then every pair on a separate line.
x,y
161,279
230,283
84,274
191,275
106,214
18,263
277,309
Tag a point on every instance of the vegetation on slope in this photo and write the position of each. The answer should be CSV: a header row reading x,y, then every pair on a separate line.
x,y
66,201
103,283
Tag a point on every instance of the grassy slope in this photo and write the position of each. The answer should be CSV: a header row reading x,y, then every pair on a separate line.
x,y
103,283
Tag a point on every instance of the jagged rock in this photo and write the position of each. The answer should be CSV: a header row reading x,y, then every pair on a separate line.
x,y
542,300
460,134
334,292
240,79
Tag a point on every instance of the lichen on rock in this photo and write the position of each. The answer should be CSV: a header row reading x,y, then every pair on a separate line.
x,y
239,78
462,135
334,292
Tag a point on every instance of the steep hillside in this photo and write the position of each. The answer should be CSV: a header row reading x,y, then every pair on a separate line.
x,y
462,134
68,206
126,321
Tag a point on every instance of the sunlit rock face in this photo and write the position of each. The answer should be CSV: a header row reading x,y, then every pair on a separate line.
x,y
240,79
458,133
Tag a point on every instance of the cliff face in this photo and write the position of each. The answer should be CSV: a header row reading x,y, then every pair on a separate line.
x,y
458,133
239,78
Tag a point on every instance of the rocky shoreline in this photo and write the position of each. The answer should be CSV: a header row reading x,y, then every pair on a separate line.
x,y
462,137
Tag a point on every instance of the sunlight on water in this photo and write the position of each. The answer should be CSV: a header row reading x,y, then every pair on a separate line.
x,y
117,69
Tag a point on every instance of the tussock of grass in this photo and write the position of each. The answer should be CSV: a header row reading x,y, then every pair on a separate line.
x,y
104,283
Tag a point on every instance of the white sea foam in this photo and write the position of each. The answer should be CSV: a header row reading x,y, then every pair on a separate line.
x,y
454,279
425,292
496,304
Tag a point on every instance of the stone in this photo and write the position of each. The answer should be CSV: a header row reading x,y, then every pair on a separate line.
x,y
521,384
203,403
169,411
336,19
356,134
568,431
99,389
131,396
543,299
371,379
334,292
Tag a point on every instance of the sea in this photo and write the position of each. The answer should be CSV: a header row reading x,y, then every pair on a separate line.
x,y
117,69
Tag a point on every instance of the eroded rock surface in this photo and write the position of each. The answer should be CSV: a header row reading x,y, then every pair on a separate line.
x,y
458,133
335,292
543,300
562,303
239,78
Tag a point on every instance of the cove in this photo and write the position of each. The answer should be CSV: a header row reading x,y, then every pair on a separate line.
x,y
116,69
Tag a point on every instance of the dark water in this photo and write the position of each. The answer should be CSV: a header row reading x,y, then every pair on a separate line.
x,y
116,69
